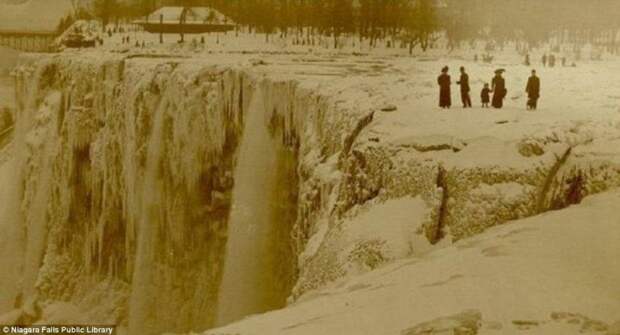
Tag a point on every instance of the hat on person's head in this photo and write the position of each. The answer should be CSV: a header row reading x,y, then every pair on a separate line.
x,y
500,71
462,68
444,69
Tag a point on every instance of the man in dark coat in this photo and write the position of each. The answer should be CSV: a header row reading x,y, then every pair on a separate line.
x,y
464,82
533,91
498,86
445,99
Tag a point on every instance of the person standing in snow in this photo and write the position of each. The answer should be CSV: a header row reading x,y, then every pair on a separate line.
x,y
464,83
533,91
485,95
544,60
551,60
498,87
444,81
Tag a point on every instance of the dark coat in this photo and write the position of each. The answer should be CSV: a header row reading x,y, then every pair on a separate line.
x,y
445,99
464,82
499,91
533,87
485,95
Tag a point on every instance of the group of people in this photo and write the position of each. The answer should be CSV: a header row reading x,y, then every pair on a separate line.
x,y
549,61
497,88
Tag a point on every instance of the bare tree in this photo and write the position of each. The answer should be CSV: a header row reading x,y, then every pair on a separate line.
x,y
105,10
422,25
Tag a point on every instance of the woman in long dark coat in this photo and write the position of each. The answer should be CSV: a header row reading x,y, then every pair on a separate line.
x,y
498,86
445,98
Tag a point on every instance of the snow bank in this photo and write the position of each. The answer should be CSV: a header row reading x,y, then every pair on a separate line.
x,y
552,274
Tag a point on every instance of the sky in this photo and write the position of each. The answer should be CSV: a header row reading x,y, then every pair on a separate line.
x,y
32,15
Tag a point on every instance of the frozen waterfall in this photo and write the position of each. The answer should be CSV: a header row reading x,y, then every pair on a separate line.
x,y
247,283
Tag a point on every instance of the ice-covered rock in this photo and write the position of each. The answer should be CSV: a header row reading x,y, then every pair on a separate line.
x,y
125,167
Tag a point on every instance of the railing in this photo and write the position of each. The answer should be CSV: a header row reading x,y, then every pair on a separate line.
x,y
34,41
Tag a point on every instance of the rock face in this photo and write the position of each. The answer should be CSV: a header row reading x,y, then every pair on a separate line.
x,y
124,169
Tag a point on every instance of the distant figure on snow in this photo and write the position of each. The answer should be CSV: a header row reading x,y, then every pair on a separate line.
x,y
445,99
464,83
485,95
533,91
527,60
551,60
544,60
498,86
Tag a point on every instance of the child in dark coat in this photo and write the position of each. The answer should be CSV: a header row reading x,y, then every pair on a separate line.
x,y
485,95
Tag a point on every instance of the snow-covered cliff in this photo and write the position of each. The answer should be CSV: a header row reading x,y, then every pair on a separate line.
x,y
149,191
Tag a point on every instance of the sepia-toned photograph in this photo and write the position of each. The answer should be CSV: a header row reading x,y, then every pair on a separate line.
x,y
310,167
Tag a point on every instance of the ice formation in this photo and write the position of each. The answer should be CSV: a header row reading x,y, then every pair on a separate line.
x,y
126,174
250,278
162,194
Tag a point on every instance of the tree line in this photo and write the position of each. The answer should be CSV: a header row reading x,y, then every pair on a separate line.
x,y
411,23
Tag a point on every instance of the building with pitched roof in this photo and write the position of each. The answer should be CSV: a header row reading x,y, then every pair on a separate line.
x,y
31,25
186,20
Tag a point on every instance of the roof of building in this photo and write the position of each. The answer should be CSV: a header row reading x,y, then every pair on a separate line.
x,y
195,15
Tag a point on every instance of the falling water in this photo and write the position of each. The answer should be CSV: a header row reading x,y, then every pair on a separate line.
x,y
10,249
142,319
248,283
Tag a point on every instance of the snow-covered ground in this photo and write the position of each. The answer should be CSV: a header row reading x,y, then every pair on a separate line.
x,y
373,77
382,170
555,274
